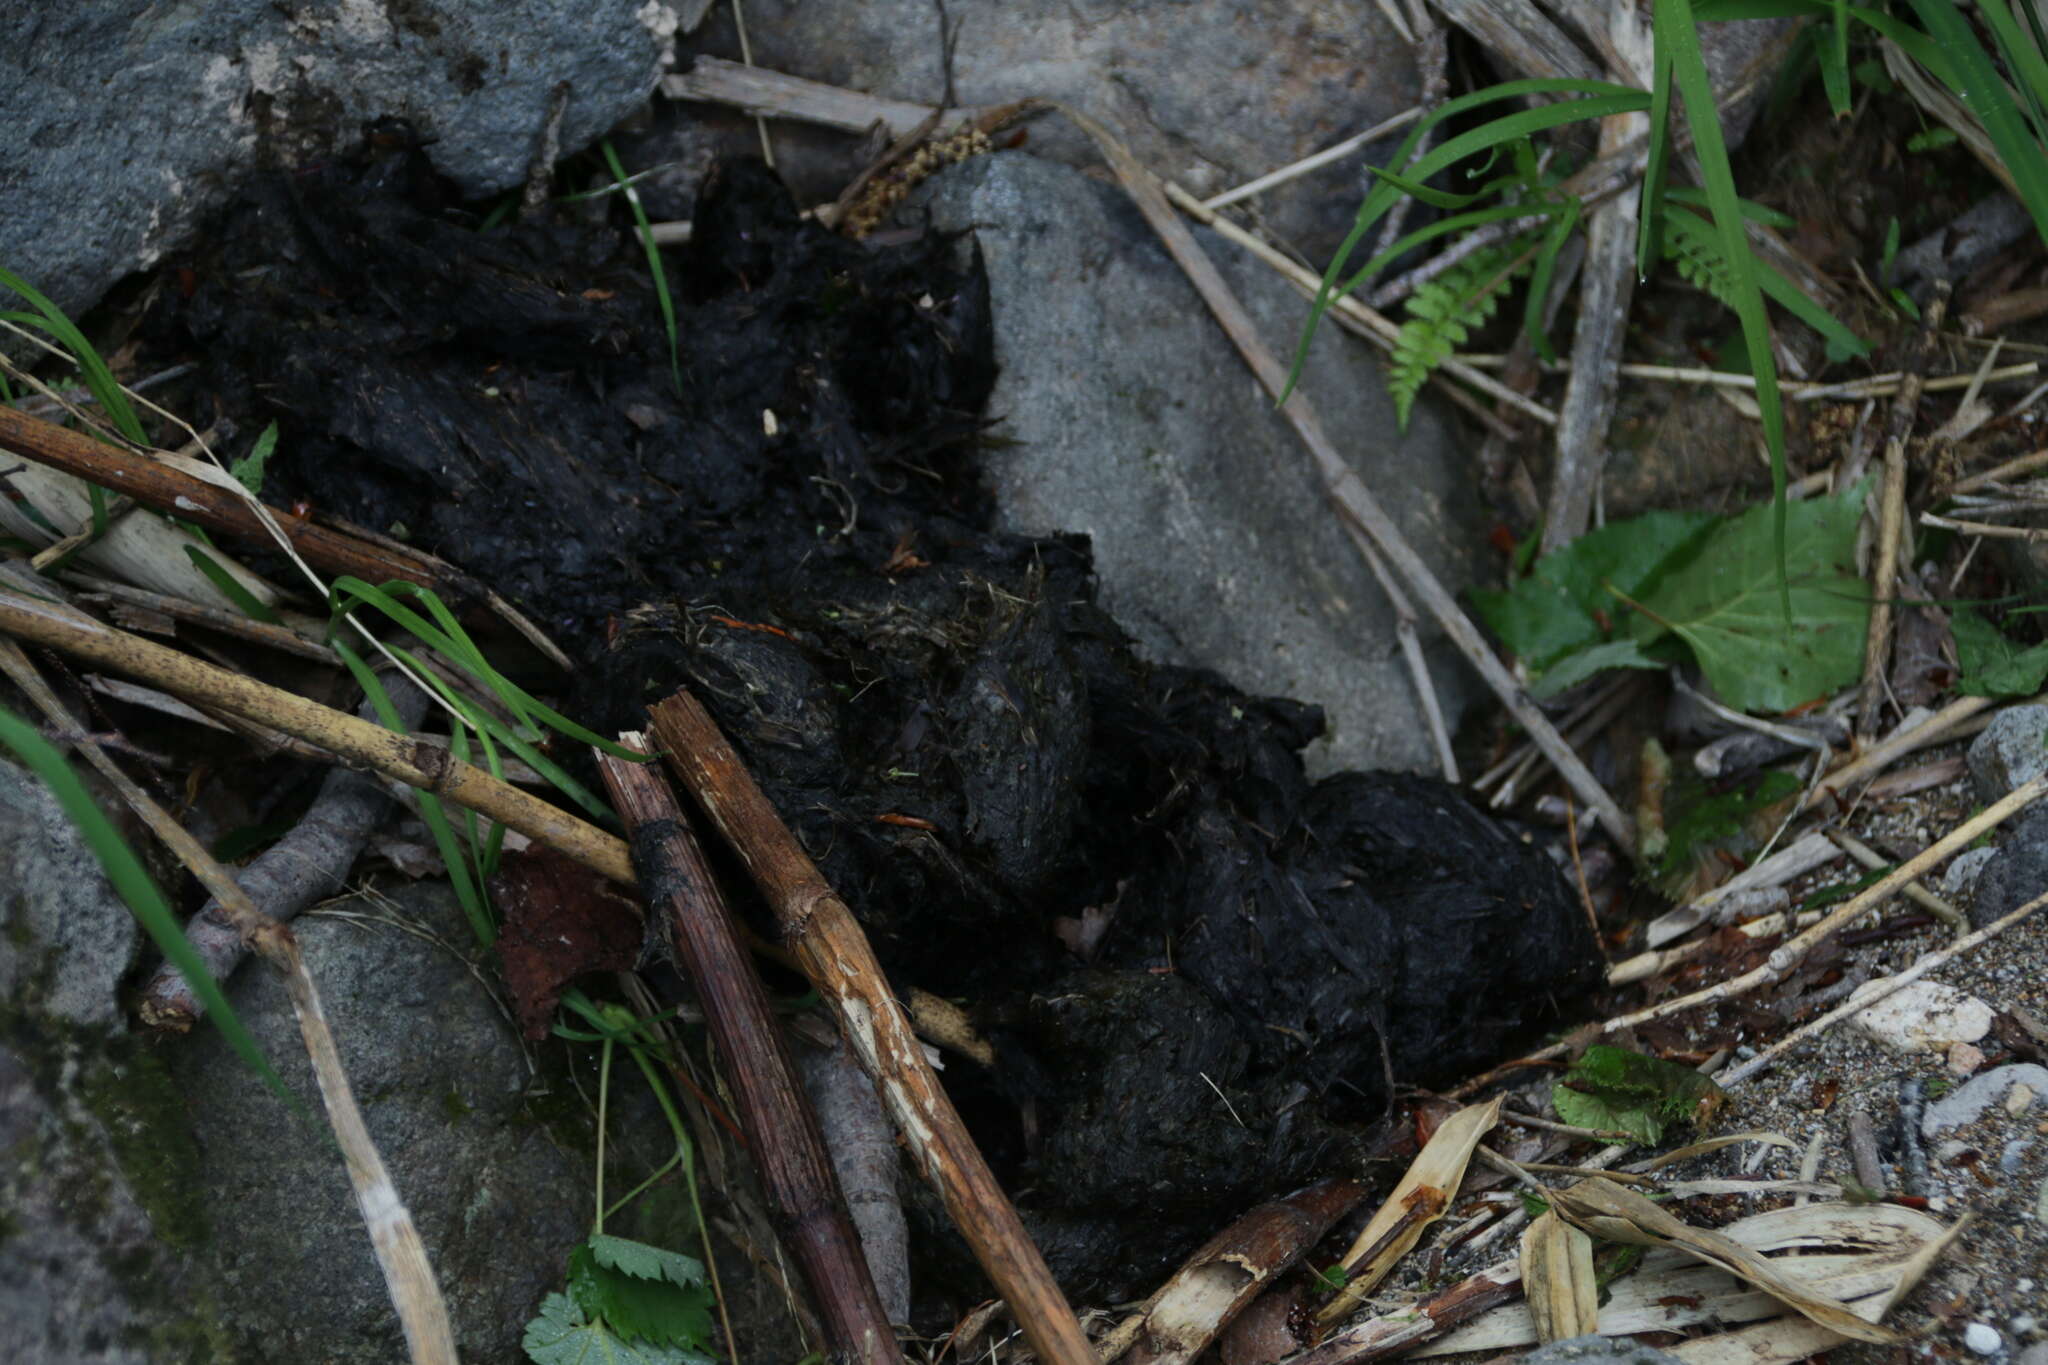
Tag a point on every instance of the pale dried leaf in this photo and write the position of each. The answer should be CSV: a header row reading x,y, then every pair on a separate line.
x,y
1557,1278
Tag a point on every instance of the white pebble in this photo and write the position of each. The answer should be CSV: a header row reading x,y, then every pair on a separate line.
x,y
1982,1338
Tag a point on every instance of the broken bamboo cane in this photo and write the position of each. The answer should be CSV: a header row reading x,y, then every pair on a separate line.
x,y
828,943
810,1213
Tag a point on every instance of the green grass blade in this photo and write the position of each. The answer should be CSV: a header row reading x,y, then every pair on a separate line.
x,y
1678,44
1753,211
2022,56
99,380
661,294
135,888
468,892
1650,229
1602,98
1834,60
454,643
1539,281
249,604
1977,83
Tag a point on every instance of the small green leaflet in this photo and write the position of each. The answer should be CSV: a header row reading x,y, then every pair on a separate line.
x,y
1726,603
1555,613
561,1335
1992,664
1711,820
248,470
1613,1089
655,1309
646,1262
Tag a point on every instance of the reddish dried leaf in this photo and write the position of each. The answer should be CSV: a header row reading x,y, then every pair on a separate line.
x,y
561,921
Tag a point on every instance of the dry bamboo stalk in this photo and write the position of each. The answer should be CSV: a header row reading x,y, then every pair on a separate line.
x,y
1343,485
1984,528
105,590
1888,751
782,1129
1999,473
1873,861
834,954
408,1276
172,487
1897,983
1393,1333
1788,954
1230,1270
356,742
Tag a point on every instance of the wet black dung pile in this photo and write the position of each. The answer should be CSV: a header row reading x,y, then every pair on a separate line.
x,y
1198,967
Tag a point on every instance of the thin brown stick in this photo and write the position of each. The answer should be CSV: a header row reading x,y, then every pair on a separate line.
x,y
408,1276
356,742
105,592
833,952
178,489
1892,513
782,1128
1342,484
1891,987
2001,472
1790,953
1987,529
1393,1333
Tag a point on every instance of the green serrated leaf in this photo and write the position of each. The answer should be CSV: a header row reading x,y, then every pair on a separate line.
x,y
1994,665
639,1309
1613,1089
646,1262
1556,611
563,1335
1725,601
1442,313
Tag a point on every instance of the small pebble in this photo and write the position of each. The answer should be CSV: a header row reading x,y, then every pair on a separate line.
x,y
2024,1324
2019,1098
1964,1058
1982,1338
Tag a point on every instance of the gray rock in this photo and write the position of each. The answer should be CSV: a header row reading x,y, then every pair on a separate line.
x,y
129,120
68,938
1959,882
70,1218
443,1084
1598,1351
1210,95
2016,873
1133,419
1966,1103
2012,749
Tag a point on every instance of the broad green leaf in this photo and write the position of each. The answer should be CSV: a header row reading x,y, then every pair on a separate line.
x,y
1557,610
1726,602
646,1262
1994,665
639,1309
562,1335
1615,1089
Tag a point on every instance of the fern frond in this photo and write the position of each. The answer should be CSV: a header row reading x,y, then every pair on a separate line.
x,y
1692,246
1442,313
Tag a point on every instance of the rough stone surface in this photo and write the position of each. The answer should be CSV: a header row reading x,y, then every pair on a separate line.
x,y
443,1085
1596,1350
1210,96
1925,1015
2017,872
128,120
1967,1103
2011,750
1127,415
68,938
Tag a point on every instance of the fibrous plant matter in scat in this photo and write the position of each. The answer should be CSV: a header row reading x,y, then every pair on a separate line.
x,y
961,736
